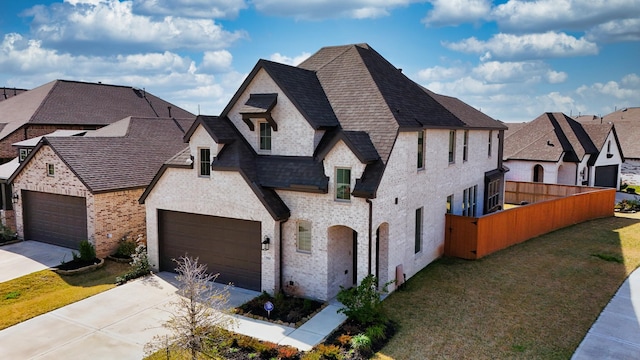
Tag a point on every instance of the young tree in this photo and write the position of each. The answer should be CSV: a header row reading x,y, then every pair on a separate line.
x,y
200,315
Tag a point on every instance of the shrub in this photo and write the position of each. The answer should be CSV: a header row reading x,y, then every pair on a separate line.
x,y
376,332
361,343
6,234
363,303
126,248
288,353
140,266
87,252
331,352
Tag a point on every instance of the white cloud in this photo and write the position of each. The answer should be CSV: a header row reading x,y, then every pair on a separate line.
x,y
544,15
214,9
529,46
523,72
439,73
216,61
93,27
455,12
626,91
295,61
329,9
616,31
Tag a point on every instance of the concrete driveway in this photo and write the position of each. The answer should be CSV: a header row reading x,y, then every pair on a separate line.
x,y
25,257
115,324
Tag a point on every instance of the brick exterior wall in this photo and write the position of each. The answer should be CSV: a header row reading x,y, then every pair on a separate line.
x,y
294,135
109,213
7,151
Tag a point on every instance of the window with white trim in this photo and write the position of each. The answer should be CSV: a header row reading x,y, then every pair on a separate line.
x,y
343,184
204,160
493,195
304,236
452,146
24,153
265,136
469,201
465,146
51,170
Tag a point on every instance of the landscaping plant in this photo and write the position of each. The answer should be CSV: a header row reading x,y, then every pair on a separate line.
x,y
200,316
140,265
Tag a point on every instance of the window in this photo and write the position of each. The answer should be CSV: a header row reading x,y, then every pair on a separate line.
x,y
24,153
51,171
420,150
450,204
204,161
343,184
490,142
469,201
418,239
265,136
465,146
304,236
493,195
452,146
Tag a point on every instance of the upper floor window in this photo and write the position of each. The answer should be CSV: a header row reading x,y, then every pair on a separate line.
x,y
304,236
450,204
343,184
465,146
420,163
418,232
265,136
24,153
51,170
490,142
452,146
493,195
205,162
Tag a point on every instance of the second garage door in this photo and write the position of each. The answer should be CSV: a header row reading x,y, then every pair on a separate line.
x,y
55,219
230,247
607,176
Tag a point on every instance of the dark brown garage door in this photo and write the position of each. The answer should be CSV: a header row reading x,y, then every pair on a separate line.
x,y
230,247
607,176
54,219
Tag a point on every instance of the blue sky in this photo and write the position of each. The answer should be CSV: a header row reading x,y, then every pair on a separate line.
x,y
511,59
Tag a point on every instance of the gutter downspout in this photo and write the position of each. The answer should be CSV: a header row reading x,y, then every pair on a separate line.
x,y
370,233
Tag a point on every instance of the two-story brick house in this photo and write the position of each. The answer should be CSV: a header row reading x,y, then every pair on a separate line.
x,y
314,176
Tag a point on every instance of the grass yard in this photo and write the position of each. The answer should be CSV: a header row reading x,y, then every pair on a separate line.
x,y
535,300
43,291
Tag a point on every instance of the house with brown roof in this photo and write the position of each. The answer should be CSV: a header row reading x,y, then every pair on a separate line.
x,y
74,105
316,176
6,92
556,149
70,189
627,123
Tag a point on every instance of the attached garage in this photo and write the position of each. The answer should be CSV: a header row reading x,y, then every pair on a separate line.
x,y
230,247
607,176
55,219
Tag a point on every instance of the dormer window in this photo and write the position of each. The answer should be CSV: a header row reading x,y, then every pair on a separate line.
x,y
204,160
265,136
23,154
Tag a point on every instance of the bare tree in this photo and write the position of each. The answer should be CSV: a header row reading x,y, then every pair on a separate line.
x,y
199,315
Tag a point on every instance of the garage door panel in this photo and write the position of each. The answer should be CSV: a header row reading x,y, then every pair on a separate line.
x,y
607,176
230,247
55,219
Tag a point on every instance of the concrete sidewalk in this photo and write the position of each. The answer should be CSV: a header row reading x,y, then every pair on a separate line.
x,y
117,324
616,332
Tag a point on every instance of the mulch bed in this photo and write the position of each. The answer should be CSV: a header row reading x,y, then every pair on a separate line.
x,y
287,309
77,264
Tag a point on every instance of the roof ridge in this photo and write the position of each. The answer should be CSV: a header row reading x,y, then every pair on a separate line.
x,y
44,100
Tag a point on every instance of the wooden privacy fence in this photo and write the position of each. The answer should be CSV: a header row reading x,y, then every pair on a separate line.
x,y
516,192
475,237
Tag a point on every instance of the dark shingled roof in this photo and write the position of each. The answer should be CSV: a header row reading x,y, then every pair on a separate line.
x,y
63,102
106,164
259,103
627,126
547,138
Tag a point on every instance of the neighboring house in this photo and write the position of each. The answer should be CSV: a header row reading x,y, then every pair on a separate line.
x,y
314,176
6,92
74,105
556,149
627,123
70,189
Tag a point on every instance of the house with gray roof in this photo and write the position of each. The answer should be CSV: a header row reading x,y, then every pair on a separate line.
x,y
6,92
315,176
627,123
556,149
74,188
74,105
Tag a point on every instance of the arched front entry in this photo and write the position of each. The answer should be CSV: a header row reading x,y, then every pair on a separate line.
x,y
342,258
382,254
538,173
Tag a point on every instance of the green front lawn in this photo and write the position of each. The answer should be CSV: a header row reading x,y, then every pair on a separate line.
x,y
535,300
43,291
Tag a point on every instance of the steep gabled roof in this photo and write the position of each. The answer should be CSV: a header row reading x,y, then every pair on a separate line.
x,y
300,86
63,102
550,137
627,128
105,164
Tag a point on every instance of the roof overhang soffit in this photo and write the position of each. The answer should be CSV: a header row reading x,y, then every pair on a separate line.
x,y
259,106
